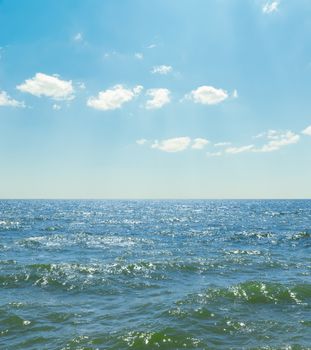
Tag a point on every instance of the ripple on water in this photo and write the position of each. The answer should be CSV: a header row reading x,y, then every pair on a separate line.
x,y
85,240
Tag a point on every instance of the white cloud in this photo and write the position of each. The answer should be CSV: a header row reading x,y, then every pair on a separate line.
x,y
139,55
270,134
199,143
222,144
172,145
163,69
159,98
277,139
236,150
78,37
56,107
81,85
307,131
207,95
235,93
138,89
270,6
114,97
48,85
141,141
258,136
151,46
6,100
274,141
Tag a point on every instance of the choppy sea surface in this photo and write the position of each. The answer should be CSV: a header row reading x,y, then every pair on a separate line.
x,y
155,274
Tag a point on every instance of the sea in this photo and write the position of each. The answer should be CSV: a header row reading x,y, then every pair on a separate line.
x,y
155,274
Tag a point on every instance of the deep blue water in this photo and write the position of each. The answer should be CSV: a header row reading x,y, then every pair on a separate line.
x,y
155,274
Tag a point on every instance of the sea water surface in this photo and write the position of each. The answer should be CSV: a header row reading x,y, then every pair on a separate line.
x,y
195,274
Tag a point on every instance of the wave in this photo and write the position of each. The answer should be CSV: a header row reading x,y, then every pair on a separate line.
x,y
80,277
108,278
254,292
8,225
164,339
301,235
85,240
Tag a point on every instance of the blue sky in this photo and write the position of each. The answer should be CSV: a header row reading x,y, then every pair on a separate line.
x,y
155,99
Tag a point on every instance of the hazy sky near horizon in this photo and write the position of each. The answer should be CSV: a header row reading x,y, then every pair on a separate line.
x,y
155,99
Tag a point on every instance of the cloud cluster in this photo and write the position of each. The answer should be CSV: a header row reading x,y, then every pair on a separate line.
x,y
6,100
158,97
48,85
52,86
113,98
176,144
275,140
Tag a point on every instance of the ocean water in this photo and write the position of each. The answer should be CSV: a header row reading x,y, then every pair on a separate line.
x,y
155,274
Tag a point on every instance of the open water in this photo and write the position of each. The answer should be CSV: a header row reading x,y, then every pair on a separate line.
x,y
155,274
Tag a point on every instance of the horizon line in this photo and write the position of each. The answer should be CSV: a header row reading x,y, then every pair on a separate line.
x,y
153,199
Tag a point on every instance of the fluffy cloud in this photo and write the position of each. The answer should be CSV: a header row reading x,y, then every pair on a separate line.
x,y
307,131
207,95
199,143
6,100
163,69
172,145
159,98
113,98
270,7
49,86
277,139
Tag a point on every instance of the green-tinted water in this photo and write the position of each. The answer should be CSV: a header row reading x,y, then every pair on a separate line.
x,y
155,275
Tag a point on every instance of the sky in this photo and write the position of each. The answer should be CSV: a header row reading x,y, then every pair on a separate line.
x,y
155,99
